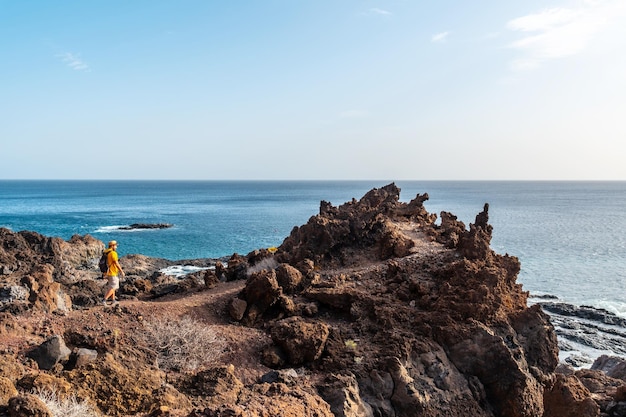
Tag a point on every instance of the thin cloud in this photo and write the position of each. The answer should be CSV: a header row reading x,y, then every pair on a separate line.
x,y
440,37
380,12
560,32
73,61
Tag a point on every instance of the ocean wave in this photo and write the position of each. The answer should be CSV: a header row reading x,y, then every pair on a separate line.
x,y
182,270
584,333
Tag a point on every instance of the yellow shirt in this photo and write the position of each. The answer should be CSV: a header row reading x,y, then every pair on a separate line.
x,y
111,261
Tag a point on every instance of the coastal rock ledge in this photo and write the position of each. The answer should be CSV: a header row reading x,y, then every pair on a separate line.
x,y
370,309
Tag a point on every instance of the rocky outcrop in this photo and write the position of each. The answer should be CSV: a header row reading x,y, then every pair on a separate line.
x,y
72,260
51,274
430,309
136,226
369,309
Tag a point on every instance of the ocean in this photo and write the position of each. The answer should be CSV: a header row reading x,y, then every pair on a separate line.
x,y
569,236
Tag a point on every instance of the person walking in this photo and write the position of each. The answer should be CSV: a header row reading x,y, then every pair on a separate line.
x,y
112,274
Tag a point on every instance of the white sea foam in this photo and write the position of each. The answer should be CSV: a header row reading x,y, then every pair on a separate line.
x,y
182,270
122,228
615,307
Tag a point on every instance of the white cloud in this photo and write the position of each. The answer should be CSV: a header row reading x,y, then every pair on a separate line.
x,y
560,32
440,37
73,61
378,11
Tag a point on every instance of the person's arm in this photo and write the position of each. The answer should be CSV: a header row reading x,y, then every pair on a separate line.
x,y
119,267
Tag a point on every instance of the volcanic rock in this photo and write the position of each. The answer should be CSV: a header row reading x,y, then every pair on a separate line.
x,y
28,405
7,390
51,352
135,226
389,276
381,311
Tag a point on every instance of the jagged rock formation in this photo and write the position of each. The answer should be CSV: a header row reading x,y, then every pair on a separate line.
x,y
431,310
21,251
381,311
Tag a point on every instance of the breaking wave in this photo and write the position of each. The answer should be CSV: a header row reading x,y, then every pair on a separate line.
x,y
584,333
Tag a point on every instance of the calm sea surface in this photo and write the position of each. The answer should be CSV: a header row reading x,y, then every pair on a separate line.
x,y
569,236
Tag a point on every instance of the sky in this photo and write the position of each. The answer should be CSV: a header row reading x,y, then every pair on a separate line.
x,y
313,89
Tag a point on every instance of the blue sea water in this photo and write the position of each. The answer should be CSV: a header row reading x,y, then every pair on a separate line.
x,y
569,236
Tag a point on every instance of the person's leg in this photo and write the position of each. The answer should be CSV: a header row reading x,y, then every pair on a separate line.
x,y
114,284
109,290
110,294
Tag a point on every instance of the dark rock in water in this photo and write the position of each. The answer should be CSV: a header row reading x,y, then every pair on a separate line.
x,y
578,361
146,226
586,331
585,312
544,296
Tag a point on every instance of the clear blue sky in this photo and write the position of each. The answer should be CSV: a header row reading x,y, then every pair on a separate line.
x,y
317,89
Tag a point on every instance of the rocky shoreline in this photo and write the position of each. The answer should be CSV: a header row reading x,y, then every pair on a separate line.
x,y
369,309
584,332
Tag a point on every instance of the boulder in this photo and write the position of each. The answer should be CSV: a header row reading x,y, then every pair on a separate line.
x,y
237,308
341,392
302,341
83,356
568,397
289,278
7,390
612,366
28,405
51,352
117,388
40,381
219,384
261,292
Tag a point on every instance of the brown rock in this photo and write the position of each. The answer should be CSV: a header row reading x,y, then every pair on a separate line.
x,y
303,341
288,277
280,400
218,384
341,392
167,399
569,398
28,405
237,308
498,361
261,292
117,388
11,368
394,244
45,293
7,390
44,382
612,366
